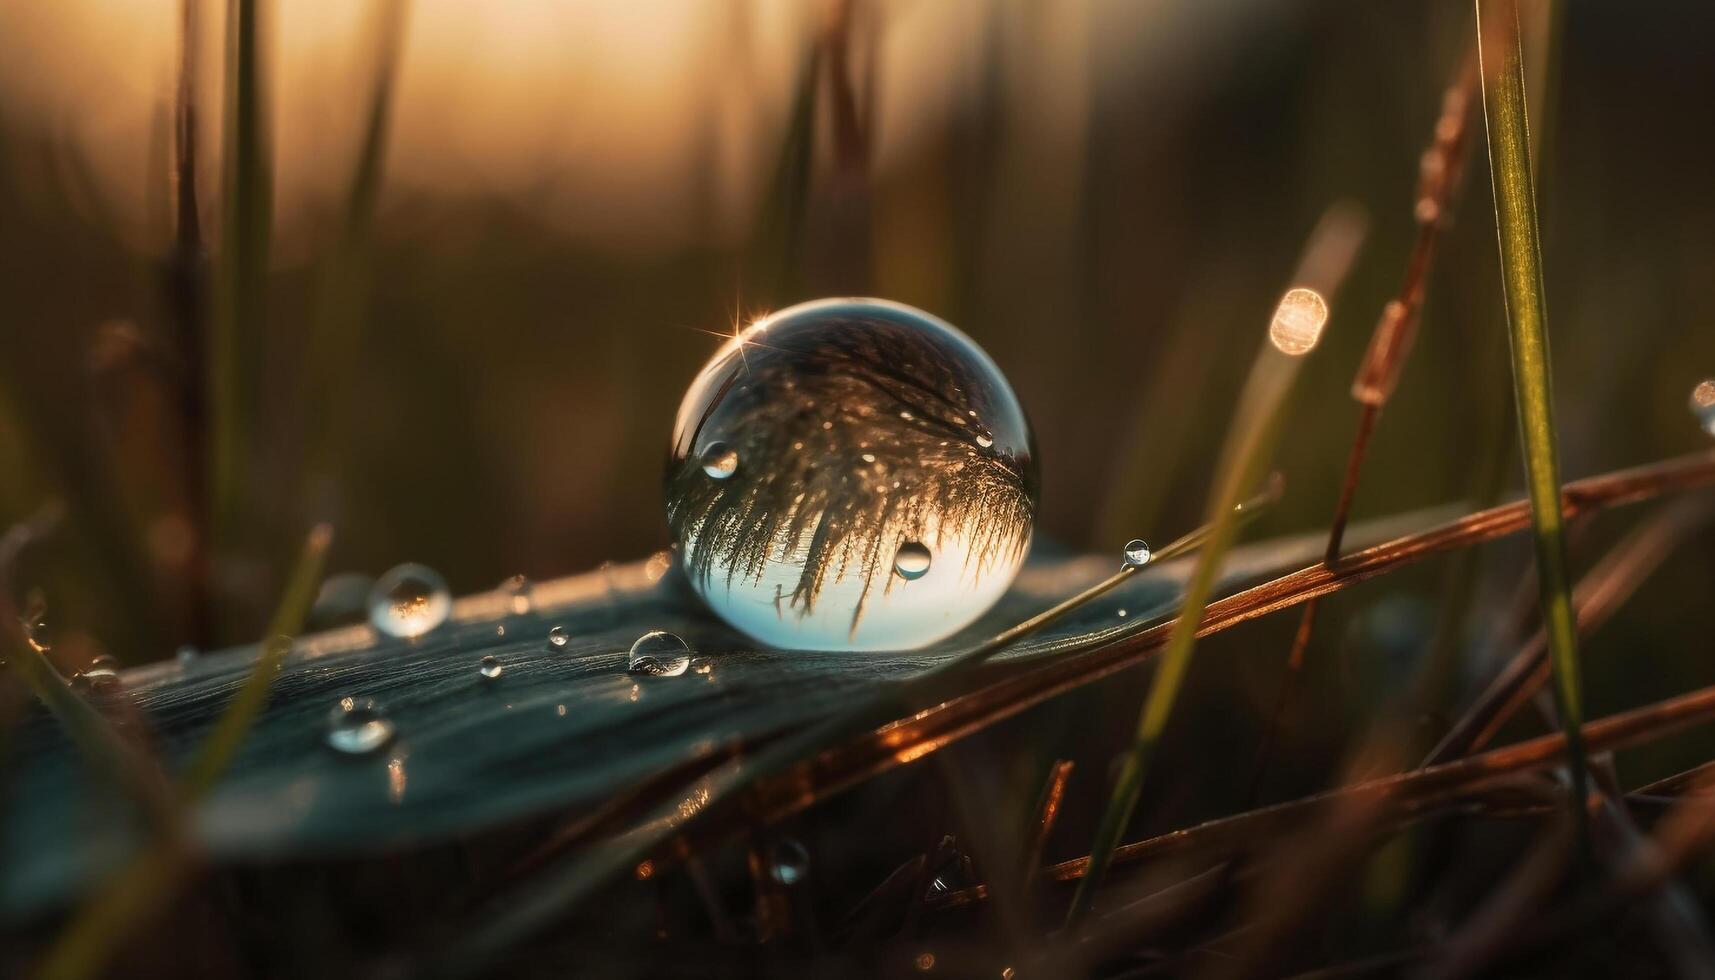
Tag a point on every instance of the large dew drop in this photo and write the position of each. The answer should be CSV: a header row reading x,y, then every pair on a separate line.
x,y
912,560
852,425
1136,553
659,653
490,668
408,601
358,726
558,638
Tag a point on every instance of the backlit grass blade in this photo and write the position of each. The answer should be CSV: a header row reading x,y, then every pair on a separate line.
x,y
1502,59
1297,324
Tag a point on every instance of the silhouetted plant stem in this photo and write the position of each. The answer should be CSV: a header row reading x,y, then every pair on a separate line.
x,y
240,301
187,299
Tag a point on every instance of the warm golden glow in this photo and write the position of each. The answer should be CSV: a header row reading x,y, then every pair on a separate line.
x,y
1703,396
1298,321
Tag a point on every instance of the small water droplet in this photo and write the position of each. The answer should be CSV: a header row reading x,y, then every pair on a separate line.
x,y
558,638
1703,404
519,593
499,632
490,667
788,861
1136,554
720,461
869,457
408,601
912,560
102,673
358,726
985,440
659,653
1122,613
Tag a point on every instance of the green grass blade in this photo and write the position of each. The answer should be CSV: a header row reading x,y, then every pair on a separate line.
x,y
222,744
146,883
1256,424
1502,56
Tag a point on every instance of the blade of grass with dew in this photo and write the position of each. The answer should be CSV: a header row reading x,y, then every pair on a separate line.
x,y
88,730
86,944
563,886
1502,59
245,229
1251,436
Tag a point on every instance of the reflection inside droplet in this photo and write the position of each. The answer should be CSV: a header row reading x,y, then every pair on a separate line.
x,y
408,601
659,653
862,424
357,726
912,560
720,461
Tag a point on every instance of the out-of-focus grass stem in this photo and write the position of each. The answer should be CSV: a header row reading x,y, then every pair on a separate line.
x,y
1250,439
247,200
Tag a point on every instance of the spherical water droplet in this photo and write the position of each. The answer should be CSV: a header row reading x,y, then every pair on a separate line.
x,y
1298,321
985,440
490,667
357,726
408,601
1703,404
1136,553
659,653
912,560
558,638
720,461
519,593
816,570
101,674
788,861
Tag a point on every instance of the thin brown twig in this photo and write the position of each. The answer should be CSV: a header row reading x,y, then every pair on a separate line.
x,y
1047,813
1034,681
1419,787
1602,591
1440,170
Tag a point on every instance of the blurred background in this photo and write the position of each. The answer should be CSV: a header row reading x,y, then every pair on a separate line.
x,y
466,257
